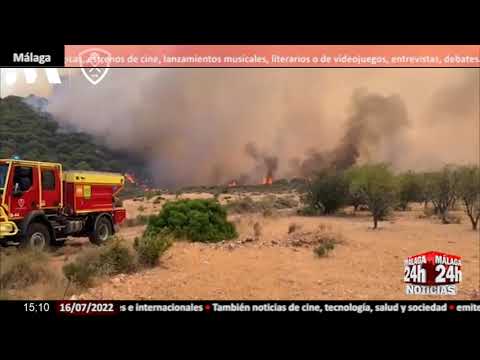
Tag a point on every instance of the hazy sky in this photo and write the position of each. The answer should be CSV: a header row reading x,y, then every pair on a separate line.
x,y
192,125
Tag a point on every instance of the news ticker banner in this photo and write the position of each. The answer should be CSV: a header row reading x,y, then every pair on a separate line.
x,y
272,56
105,308
109,56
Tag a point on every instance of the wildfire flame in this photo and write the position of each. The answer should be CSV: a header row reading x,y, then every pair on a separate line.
x,y
268,180
130,178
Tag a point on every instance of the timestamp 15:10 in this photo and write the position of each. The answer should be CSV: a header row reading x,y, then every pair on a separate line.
x,y
34,307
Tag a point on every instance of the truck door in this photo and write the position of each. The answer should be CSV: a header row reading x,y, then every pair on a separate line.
x,y
51,187
23,190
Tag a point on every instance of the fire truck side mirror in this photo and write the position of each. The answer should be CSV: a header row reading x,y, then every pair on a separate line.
x,y
16,190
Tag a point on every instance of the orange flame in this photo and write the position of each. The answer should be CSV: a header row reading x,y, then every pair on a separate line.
x,y
130,178
267,180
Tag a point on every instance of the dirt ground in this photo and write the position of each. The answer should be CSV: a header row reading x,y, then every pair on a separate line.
x,y
367,266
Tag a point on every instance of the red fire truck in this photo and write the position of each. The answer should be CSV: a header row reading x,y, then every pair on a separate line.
x,y
40,205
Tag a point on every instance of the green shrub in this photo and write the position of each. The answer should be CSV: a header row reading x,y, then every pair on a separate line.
x,y
141,208
202,220
20,269
149,248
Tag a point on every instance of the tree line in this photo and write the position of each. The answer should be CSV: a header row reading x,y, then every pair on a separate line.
x,y
377,187
34,135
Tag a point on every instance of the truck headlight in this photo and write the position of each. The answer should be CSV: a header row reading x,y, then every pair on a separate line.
x,y
6,228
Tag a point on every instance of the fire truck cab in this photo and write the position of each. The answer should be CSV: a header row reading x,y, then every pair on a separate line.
x,y
40,205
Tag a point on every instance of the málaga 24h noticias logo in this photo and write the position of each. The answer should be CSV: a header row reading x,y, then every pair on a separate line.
x,y
432,273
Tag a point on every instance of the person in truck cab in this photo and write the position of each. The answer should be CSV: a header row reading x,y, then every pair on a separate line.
x,y
22,178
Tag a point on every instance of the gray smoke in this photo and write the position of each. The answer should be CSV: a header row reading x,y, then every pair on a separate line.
x,y
375,119
193,126
265,164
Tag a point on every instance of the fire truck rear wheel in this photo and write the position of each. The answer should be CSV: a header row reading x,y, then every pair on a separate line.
x,y
101,232
37,237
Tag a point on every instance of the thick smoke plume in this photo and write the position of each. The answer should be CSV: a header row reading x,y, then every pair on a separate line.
x,y
375,119
209,126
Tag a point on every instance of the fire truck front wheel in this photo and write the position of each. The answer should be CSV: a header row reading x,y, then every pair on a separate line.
x,y
102,231
37,237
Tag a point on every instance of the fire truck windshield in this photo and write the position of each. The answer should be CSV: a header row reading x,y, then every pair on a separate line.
x,y
3,176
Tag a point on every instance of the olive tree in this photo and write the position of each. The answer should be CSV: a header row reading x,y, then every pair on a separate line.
x,y
409,189
355,197
328,191
469,192
376,183
443,186
425,181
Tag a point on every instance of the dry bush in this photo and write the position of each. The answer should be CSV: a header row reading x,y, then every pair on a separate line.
x,y
139,220
326,245
454,219
309,211
110,259
267,205
427,213
243,205
293,227
158,200
327,240
325,227
21,269
151,247
269,213
257,230
141,208
323,234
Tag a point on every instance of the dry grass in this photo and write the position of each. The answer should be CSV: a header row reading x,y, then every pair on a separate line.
x,y
28,274
23,268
